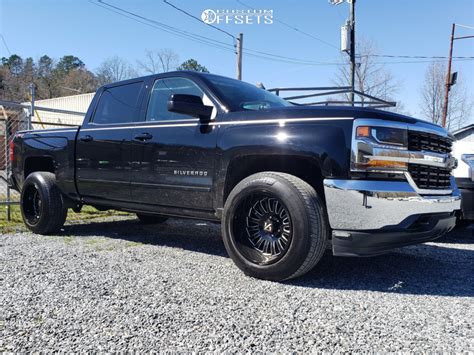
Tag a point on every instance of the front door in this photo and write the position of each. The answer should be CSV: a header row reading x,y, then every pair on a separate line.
x,y
104,144
174,152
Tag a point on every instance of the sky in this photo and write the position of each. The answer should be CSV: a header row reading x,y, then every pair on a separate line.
x,y
32,28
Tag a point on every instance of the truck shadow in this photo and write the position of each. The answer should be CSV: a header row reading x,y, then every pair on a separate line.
x,y
444,269
424,269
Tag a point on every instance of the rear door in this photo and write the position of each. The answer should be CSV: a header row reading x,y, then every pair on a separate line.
x,y
103,150
175,153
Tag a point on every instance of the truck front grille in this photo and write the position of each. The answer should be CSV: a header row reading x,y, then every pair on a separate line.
x,y
428,142
430,177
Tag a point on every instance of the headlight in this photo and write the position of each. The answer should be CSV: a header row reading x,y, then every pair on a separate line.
x,y
384,135
378,148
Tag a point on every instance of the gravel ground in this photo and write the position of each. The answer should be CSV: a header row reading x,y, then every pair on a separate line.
x,y
119,285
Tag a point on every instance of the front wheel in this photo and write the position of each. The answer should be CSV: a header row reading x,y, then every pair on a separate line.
x,y
274,226
42,205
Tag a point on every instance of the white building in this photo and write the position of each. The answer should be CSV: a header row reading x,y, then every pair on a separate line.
x,y
77,103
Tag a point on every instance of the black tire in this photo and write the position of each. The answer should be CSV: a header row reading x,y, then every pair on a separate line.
x,y
151,219
301,211
42,204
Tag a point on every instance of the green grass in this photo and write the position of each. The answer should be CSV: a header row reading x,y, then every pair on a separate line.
x,y
16,223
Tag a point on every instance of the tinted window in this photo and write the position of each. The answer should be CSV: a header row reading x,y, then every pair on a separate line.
x,y
240,95
119,104
162,90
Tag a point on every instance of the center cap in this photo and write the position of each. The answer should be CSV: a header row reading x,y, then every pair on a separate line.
x,y
268,226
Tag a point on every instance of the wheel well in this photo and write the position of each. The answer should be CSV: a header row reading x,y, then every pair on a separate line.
x,y
303,168
38,164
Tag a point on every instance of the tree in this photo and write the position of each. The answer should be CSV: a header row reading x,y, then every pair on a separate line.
x,y
371,78
46,83
114,69
68,63
16,74
159,61
193,65
432,98
14,63
51,80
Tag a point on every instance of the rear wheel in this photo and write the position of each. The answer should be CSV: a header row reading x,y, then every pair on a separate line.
x,y
151,219
42,204
274,226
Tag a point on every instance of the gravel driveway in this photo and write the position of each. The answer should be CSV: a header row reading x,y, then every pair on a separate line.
x,y
120,285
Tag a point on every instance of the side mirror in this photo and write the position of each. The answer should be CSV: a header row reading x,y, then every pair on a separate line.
x,y
190,105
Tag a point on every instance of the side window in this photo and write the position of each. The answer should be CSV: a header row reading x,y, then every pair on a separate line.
x,y
119,104
162,90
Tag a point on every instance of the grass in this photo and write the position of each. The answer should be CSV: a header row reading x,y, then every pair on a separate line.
x,y
16,222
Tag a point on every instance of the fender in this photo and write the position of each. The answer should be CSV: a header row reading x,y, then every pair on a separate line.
x,y
323,145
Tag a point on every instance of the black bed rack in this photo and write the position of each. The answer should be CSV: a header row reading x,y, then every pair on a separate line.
x,y
316,91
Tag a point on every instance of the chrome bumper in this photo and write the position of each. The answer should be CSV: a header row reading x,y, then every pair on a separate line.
x,y
371,205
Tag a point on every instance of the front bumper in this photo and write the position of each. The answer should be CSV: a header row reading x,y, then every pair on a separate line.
x,y
371,217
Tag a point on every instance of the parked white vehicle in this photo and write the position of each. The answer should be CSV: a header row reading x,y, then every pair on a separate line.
x,y
463,151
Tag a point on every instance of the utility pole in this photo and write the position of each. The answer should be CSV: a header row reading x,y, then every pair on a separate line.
x,y
451,79
240,40
448,78
352,54
348,42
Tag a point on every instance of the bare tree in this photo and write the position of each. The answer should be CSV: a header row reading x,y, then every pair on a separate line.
x,y
159,61
432,98
114,69
371,77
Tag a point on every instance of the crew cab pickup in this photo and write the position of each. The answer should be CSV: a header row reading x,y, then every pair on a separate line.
x,y
285,181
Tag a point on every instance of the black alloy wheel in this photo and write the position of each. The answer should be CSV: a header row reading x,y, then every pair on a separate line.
x,y
263,228
32,204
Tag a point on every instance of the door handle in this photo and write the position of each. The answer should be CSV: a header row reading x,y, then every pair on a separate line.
x,y
86,138
143,137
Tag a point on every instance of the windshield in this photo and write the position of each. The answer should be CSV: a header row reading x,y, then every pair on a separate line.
x,y
239,95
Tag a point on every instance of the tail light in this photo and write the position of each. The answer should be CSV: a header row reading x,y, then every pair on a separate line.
x,y
11,151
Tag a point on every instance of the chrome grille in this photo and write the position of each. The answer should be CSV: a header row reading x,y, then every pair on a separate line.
x,y
430,177
423,141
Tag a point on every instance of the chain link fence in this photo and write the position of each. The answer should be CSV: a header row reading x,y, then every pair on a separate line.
x,y
15,117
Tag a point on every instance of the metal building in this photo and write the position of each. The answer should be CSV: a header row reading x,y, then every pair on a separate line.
x,y
78,103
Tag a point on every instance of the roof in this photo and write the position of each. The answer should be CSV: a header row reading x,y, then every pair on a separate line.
x,y
464,129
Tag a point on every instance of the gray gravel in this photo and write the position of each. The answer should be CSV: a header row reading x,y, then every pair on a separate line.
x,y
113,286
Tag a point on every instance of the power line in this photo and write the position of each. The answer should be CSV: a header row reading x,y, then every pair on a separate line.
x,y
412,56
201,39
424,61
370,55
5,44
161,26
465,26
294,28
216,43
271,55
197,18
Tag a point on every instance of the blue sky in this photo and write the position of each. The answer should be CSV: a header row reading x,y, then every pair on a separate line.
x,y
403,27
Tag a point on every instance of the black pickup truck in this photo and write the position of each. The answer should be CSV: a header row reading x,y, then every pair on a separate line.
x,y
285,181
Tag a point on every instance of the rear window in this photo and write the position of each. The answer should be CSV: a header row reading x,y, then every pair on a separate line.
x,y
119,104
